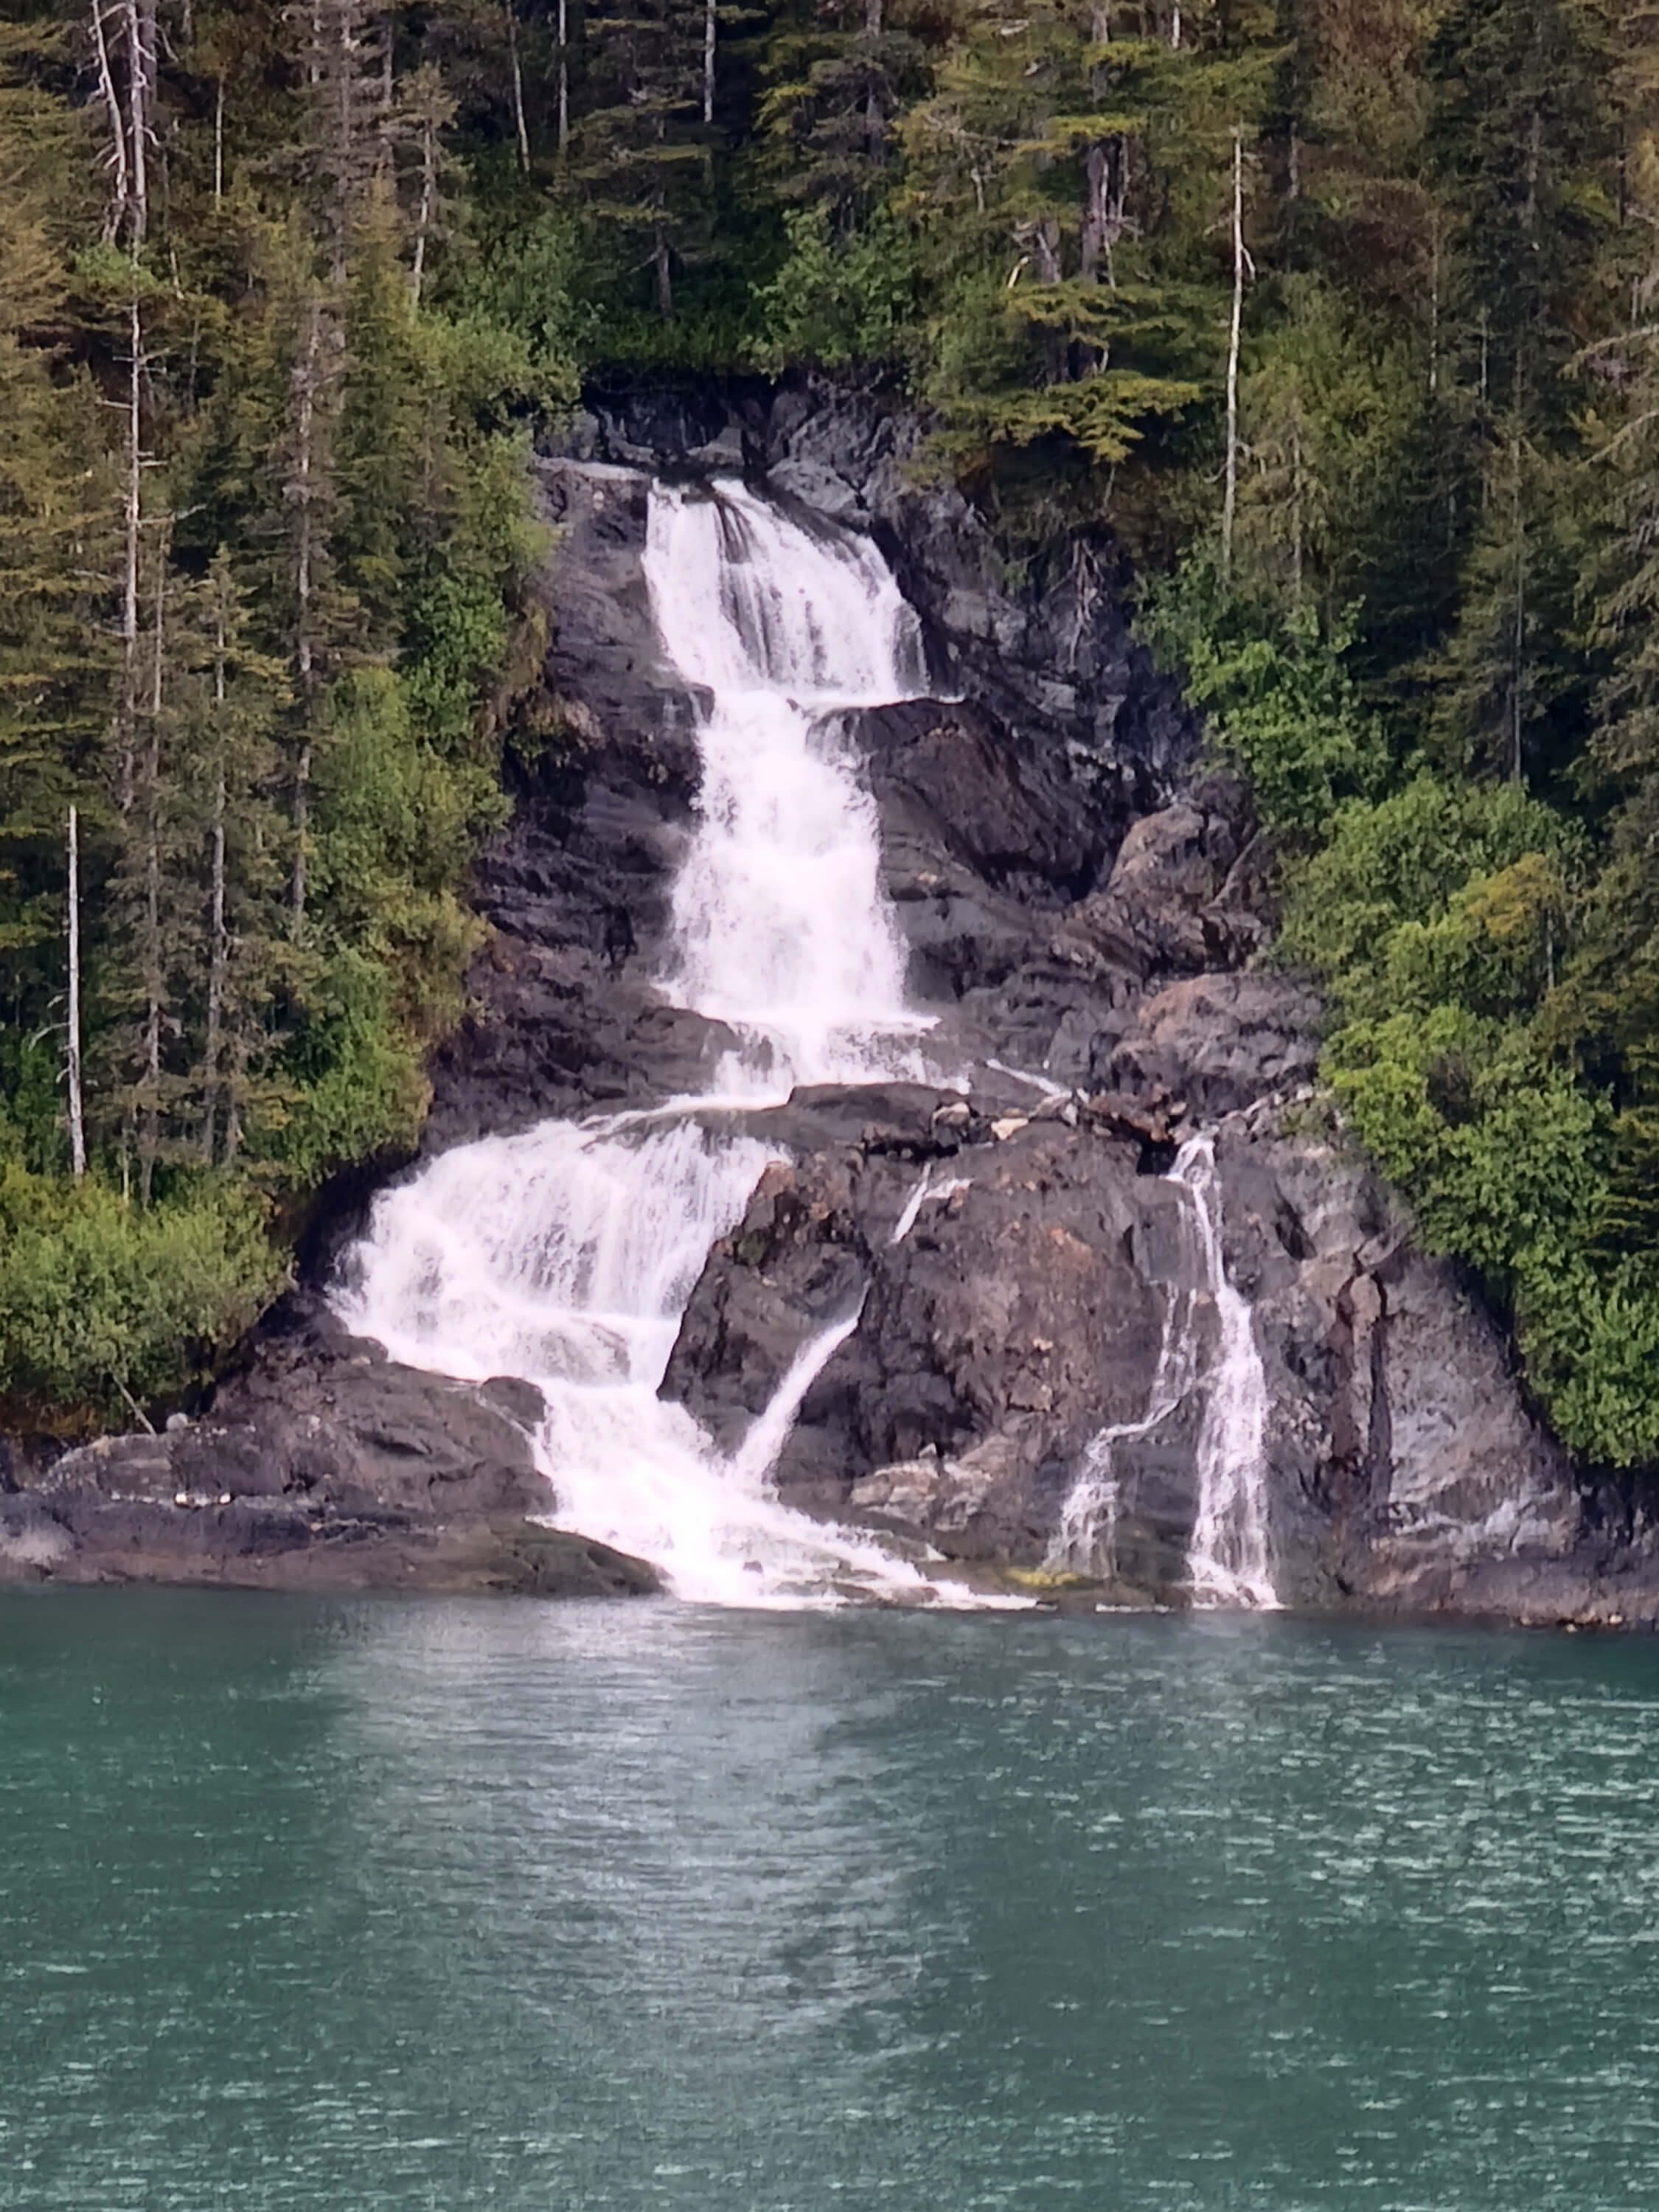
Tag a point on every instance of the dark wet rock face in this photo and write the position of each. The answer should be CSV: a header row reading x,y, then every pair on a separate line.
x,y
322,1466
564,1014
1011,1319
1022,1315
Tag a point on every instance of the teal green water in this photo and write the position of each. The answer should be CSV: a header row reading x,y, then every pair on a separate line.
x,y
370,1905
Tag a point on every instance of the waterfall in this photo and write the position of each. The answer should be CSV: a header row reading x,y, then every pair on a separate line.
x,y
1227,1558
927,1193
781,926
566,1255
1086,1538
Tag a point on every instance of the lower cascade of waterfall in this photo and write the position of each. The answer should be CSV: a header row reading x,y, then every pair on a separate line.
x,y
1229,1562
566,1255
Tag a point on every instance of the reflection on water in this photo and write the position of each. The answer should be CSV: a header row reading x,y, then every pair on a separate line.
x,y
368,1905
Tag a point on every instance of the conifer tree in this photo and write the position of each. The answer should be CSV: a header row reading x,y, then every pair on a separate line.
x,y
642,152
54,544
836,80
227,747
1519,138
1060,164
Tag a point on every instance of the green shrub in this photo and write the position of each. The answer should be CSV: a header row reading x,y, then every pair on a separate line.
x,y
1406,859
356,1086
1503,1156
837,299
1277,695
1590,1336
103,1305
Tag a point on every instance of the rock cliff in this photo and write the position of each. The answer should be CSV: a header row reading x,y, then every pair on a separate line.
x,y
1087,918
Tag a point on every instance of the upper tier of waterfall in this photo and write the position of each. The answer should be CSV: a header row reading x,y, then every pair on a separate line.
x,y
780,925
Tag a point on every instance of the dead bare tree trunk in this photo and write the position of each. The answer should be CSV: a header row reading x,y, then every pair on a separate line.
x,y
710,33
122,196
564,77
140,20
234,1091
427,203
218,141
1092,241
348,179
303,490
519,125
1296,555
1518,686
218,965
149,1121
76,1119
875,131
126,715
218,934
1230,496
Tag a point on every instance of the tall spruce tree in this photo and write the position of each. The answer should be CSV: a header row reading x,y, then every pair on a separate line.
x,y
642,153
1052,173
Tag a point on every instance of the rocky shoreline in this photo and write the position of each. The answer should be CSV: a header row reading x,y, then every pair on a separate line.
x,y
1086,916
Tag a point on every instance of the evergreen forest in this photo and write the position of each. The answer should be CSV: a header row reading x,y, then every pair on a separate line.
x,y
1343,315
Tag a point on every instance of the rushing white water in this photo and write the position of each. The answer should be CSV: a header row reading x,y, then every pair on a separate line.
x,y
1229,1562
927,1193
1045,1083
781,926
1086,1540
567,1256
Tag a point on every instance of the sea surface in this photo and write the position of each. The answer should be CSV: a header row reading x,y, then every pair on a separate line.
x,y
342,1906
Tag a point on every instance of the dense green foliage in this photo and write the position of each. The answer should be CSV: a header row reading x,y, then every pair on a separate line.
x,y
264,520
1338,312
103,1306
